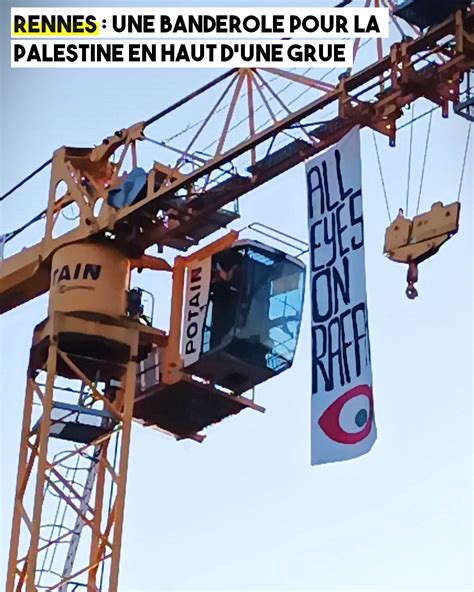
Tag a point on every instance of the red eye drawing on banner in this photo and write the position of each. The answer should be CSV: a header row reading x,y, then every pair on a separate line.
x,y
349,419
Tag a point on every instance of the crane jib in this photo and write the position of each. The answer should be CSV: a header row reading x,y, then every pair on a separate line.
x,y
25,275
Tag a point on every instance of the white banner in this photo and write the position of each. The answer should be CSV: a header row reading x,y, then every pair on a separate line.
x,y
342,414
196,298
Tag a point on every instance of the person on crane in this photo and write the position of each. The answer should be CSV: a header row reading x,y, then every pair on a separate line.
x,y
226,279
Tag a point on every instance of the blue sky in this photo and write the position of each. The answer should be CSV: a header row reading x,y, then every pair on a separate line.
x,y
245,510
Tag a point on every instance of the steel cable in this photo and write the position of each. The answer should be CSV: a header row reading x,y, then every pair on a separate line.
x,y
424,163
30,176
463,168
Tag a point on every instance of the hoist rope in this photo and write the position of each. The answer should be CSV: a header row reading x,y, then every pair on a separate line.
x,y
381,177
30,176
463,168
410,150
423,166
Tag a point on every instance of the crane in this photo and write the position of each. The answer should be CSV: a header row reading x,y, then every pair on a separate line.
x,y
96,333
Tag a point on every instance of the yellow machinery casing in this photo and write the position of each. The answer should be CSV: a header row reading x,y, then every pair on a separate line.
x,y
90,278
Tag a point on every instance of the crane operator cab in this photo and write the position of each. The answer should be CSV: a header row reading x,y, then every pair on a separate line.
x,y
240,321
253,316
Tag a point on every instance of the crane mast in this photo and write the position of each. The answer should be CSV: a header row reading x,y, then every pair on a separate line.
x,y
99,340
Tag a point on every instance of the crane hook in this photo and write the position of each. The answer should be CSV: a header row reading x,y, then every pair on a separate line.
x,y
414,241
412,278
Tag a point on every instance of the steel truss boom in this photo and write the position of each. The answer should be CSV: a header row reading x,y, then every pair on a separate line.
x,y
181,207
